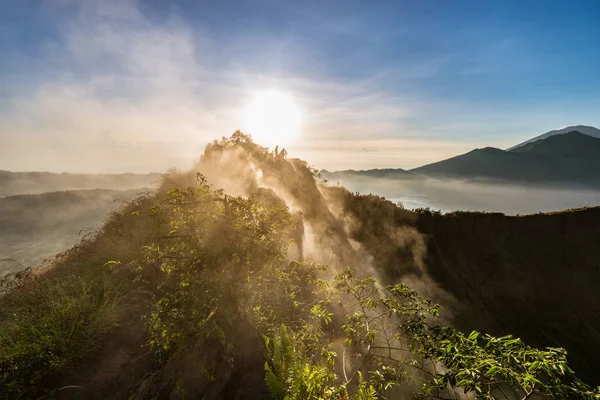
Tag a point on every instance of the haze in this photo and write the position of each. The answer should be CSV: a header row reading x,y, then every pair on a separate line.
x,y
140,86
456,195
195,199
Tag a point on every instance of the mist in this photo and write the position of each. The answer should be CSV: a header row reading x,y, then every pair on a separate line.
x,y
34,228
371,237
461,195
116,90
18,183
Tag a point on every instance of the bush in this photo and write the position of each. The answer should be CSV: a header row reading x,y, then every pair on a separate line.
x,y
391,333
52,318
54,324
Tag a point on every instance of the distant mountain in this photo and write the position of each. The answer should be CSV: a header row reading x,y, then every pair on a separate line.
x,y
571,157
587,130
574,144
13,183
389,173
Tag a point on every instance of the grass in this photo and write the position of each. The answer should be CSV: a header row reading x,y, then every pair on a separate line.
x,y
49,320
52,325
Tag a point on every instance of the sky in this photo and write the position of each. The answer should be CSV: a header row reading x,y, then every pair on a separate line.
x,y
138,86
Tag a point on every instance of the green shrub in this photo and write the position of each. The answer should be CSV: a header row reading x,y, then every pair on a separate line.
x,y
391,332
50,319
55,324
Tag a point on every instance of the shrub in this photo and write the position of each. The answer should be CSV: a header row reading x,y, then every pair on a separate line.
x,y
54,324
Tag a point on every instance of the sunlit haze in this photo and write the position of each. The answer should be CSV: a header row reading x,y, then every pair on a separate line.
x,y
144,85
272,118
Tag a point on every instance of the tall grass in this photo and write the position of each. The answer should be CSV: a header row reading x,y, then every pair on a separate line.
x,y
50,320
53,325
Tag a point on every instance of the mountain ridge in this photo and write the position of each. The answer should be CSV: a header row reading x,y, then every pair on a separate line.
x,y
389,173
177,282
30,182
570,158
586,130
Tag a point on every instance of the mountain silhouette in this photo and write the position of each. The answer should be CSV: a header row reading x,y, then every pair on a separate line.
x,y
568,158
587,130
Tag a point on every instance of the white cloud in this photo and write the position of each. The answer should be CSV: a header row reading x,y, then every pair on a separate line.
x,y
129,88
133,94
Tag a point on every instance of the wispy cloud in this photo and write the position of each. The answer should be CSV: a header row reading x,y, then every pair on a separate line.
x,y
137,95
127,91
132,95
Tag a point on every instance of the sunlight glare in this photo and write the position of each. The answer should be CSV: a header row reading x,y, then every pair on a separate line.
x,y
272,118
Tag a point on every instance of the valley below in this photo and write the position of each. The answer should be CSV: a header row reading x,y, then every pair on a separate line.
x,y
451,194
36,227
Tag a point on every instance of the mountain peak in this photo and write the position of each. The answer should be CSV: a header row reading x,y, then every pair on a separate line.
x,y
586,130
570,144
488,150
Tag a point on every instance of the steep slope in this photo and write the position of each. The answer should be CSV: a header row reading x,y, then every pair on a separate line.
x,y
13,183
570,158
533,276
587,130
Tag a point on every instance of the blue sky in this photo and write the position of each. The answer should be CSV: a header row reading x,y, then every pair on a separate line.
x,y
124,85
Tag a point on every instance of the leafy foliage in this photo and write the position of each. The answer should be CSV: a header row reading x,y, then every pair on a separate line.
x,y
391,333
214,247
291,375
51,319
219,276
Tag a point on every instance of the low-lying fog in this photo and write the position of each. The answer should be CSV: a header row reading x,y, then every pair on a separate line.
x,y
36,227
451,195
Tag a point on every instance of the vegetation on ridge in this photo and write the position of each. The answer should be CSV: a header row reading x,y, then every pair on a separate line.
x,y
224,308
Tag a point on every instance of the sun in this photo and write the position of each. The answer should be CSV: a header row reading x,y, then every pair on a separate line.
x,y
272,118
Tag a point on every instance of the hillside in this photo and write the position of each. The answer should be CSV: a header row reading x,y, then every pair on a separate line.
x,y
14,183
247,277
533,276
569,159
35,227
